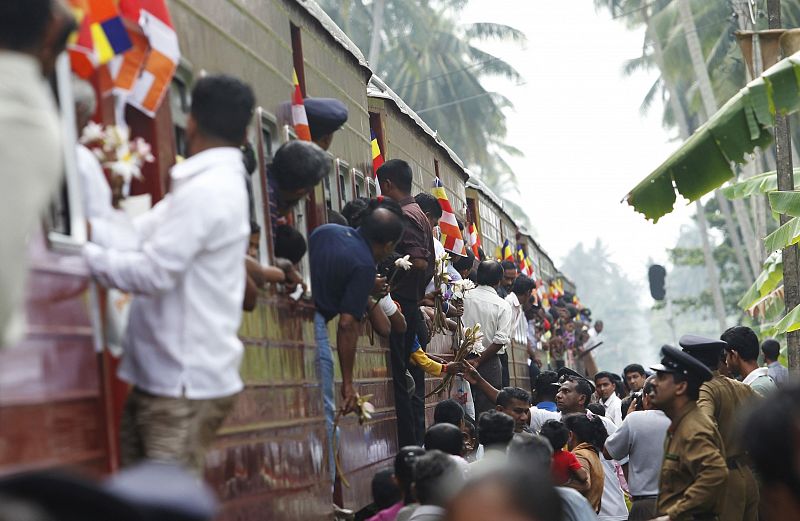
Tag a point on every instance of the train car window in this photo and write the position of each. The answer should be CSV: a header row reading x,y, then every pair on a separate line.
x,y
370,187
299,213
330,186
64,220
489,226
345,178
179,103
360,183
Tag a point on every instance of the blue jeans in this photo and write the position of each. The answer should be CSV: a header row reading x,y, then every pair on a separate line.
x,y
324,363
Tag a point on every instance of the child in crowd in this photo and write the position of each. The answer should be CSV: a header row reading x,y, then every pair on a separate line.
x,y
565,466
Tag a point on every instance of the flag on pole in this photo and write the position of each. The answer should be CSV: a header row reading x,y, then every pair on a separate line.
x,y
529,268
498,253
299,118
377,159
507,252
473,238
451,235
101,35
521,258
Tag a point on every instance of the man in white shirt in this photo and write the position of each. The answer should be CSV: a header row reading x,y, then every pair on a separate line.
x,y
641,438
604,382
183,263
483,306
741,357
521,291
32,34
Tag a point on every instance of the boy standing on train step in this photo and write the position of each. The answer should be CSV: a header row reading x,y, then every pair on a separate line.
x,y
343,273
183,262
394,178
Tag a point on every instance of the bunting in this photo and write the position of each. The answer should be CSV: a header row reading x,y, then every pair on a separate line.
x,y
473,239
377,159
299,118
451,235
507,253
101,35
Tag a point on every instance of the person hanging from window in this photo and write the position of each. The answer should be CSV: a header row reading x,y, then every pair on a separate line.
x,y
184,266
343,273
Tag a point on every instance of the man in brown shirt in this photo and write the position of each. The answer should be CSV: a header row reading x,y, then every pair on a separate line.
x,y
394,178
693,473
723,399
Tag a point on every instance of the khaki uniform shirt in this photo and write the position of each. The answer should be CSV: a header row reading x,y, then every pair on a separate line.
x,y
723,399
694,473
590,461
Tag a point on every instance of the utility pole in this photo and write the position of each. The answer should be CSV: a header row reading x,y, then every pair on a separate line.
x,y
783,153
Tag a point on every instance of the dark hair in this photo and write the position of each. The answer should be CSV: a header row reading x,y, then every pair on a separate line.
x,y
436,478
634,368
556,433
490,273
544,387
582,387
507,394
743,340
522,284
23,23
299,165
648,385
353,210
604,374
404,469
769,435
531,450
249,158
398,172
335,217
589,431
382,221
530,491
429,204
445,437
597,408
254,227
771,349
626,404
222,106
692,385
289,243
509,265
470,427
448,411
464,262
385,491
495,428
460,224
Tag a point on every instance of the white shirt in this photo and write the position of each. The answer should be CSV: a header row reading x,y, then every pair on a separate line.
x,y
641,438
483,306
540,416
188,277
95,192
438,251
755,373
613,408
612,506
519,324
31,159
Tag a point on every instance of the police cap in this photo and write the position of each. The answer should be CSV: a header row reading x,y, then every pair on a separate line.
x,y
675,361
325,115
565,372
707,350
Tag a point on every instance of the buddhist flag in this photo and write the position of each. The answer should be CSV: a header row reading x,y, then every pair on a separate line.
x,y
160,62
377,159
498,253
126,68
521,258
451,235
473,238
299,118
529,268
507,252
101,35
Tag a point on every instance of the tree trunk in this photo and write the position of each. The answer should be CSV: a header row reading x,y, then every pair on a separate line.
x,y
711,267
783,155
375,39
736,242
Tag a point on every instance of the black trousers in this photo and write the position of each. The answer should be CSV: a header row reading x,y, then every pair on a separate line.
x,y
410,410
506,376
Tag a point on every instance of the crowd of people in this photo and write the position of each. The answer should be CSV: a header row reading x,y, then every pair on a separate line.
x,y
580,444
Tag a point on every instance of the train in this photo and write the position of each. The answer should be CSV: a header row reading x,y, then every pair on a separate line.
x,y
60,399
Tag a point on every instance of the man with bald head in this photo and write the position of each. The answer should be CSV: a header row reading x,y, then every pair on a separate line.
x,y
483,306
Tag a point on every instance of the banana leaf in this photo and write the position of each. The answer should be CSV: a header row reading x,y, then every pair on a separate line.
x,y
789,323
784,236
786,203
767,281
758,184
703,162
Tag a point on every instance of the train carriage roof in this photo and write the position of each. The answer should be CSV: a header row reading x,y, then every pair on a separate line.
x,y
335,32
376,88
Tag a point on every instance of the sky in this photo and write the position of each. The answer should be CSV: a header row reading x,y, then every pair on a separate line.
x,y
578,122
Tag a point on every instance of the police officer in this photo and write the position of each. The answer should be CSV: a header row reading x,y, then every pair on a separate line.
x,y
722,399
325,116
693,472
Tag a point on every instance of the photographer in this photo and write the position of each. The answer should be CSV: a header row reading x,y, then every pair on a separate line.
x,y
641,438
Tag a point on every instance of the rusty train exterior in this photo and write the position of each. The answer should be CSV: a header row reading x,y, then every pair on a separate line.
x,y
60,400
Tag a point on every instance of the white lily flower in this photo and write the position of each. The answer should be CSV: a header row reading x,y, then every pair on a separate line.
x,y
93,132
403,262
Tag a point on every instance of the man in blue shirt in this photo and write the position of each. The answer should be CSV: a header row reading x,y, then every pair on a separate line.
x,y
342,278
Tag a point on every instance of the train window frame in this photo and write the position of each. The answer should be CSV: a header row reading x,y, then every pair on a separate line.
x,y
71,240
181,88
265,130
360,185
344,182
332,199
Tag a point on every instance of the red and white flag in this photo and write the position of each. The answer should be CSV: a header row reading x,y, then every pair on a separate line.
x,y
473,239
299,118
451,235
